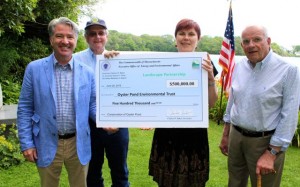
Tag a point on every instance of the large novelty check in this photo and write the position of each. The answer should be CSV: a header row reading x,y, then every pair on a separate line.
x,y
152,90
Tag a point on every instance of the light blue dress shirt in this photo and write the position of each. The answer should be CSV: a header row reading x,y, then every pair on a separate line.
x,y
87,57
64,78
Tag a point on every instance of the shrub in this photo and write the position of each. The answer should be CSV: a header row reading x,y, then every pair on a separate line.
x,y
216,113
29,50
11,92
10,153
8,57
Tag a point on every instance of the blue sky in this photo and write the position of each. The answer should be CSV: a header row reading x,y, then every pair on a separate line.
x,y
159,17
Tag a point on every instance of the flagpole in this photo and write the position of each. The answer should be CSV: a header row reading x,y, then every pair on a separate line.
x,y
221,97
224,53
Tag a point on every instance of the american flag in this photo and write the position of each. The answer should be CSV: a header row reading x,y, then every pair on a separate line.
x,y
227,53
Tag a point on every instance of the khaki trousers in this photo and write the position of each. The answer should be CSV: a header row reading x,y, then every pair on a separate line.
x,y
242,158
66,155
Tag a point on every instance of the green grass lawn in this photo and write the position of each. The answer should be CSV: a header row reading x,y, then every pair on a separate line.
x,y
25,175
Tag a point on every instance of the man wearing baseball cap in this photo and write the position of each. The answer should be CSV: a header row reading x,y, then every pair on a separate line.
x,y
110,141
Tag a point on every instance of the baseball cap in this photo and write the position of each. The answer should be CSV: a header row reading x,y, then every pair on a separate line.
x,y
95,21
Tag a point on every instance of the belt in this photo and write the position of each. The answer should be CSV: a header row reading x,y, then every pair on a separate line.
x,y
66,136
248,133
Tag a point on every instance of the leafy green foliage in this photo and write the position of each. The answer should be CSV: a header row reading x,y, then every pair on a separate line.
x,y
124,42
212,45
13,60
81,43
216,113
128,42
14,13
10,153
23,31
10,92
280,50
46,10
296,49
8,57
158,43
29,49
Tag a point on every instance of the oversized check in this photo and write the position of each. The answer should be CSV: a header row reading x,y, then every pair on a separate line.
x,y
152,90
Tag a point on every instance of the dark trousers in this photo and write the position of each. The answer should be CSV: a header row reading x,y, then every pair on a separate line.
x,y
115,146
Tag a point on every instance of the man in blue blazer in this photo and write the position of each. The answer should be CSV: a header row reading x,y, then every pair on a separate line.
x,y
57,98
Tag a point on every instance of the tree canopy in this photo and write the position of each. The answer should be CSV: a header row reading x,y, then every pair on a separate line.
x,y
23,30
14,13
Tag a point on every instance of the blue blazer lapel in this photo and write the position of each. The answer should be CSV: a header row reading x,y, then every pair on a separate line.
x,y
49,72
77,80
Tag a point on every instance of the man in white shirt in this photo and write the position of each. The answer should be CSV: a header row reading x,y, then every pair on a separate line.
x,y
261,114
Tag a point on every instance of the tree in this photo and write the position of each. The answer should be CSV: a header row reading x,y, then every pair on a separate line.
x,y
14,13
17,15
23,30
280,50
47,10
296,49
212,45
8,57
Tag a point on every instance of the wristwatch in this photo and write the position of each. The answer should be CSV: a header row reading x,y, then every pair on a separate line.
x,y
273,151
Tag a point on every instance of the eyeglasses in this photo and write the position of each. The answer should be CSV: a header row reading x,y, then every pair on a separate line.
x,y
254,41
95,34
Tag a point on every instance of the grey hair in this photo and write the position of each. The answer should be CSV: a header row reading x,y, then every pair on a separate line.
x,y
265,30
65,21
